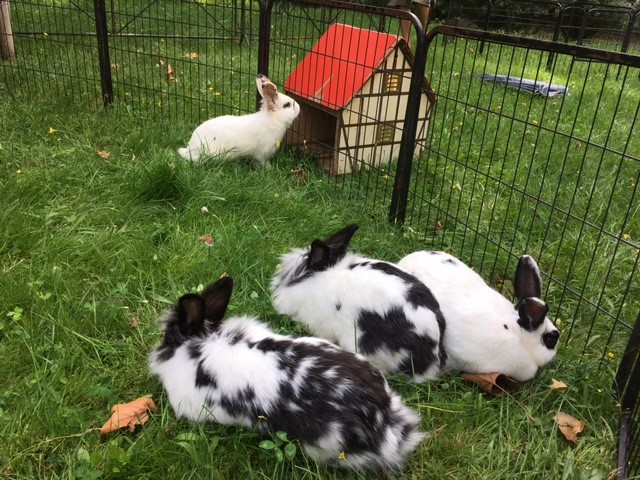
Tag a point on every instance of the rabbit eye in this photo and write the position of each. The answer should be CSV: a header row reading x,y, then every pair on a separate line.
x,y
287,105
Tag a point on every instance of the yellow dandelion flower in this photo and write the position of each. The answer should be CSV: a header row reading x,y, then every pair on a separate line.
x,y
52,130
277,143
611,355
626,236
342,456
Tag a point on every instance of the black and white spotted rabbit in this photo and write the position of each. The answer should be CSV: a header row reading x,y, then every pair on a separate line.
x,y
364,305
486,332
238,371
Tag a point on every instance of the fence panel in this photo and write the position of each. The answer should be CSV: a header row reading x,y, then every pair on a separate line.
x,y
55,50
508,171
364,133
189,60
611,28
532,169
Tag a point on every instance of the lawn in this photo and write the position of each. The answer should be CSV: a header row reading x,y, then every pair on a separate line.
x,y
102,229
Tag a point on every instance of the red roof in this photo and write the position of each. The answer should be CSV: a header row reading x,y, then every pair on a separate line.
x,y
339,65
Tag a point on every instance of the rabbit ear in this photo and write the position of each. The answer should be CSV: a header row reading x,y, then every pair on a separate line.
x,y
324,254
191,312
268,91
532,312
340,240
319,256
528,282
216,299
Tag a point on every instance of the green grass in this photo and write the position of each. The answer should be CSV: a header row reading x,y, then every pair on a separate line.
x,y
93,250
90,245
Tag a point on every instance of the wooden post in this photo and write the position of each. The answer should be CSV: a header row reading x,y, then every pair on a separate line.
x,y
7,50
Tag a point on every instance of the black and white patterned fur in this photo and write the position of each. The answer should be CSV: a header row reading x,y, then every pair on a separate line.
x,y
486,333
239,372
364,305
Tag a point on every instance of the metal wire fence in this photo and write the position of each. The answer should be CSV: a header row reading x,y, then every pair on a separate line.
x,y
499,163
613,28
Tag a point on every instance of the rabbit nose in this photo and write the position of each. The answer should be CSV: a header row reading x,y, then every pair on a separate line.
x,y
550,339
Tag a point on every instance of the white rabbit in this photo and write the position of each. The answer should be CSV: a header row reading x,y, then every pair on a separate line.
x,y
486,333
335,403
366,306
256,135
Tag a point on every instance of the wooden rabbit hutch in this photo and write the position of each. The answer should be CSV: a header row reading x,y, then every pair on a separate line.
x,y
353,89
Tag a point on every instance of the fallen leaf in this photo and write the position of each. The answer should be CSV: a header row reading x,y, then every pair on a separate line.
x,y
207,239
192,55
204,210
133,322
128,415
570,426
171,74
494,383
298,174
558,386
104,154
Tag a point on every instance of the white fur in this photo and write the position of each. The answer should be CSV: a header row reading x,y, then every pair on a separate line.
x,y
256,135
476,315
229,355
313,302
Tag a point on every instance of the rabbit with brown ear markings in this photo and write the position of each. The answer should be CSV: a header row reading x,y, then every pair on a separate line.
x,y
238,372
486,332
256,135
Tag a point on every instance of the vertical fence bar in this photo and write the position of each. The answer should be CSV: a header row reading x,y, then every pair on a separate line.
x,y
400,194
102,35
264,39
627,384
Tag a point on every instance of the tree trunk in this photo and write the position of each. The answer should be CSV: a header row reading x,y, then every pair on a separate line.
x,y
7,50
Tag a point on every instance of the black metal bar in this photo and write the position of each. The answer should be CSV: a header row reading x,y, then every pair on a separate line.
x,y
627,34
400,194
264,35
627,384
486,23
102,36
537,44
556,34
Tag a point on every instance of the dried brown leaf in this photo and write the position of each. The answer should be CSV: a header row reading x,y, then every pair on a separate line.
x,y
128,415
207,239
558,386
298,174
570,426
104,154
171,74
191,55
494,383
